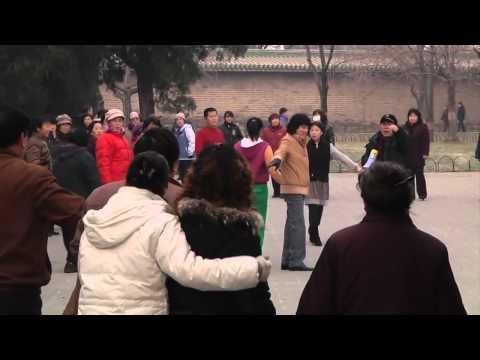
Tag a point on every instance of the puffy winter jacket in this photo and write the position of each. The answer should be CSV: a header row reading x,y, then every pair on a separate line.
x,y
219,232
114,156
131,245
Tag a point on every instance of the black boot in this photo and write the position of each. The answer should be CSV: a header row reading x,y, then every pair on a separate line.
x,y
314,215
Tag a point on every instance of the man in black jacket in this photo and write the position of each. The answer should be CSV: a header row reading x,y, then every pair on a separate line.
x,y
230,130
390,142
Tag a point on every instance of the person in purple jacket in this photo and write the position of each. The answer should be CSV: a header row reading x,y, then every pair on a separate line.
x,y
259,154
384,265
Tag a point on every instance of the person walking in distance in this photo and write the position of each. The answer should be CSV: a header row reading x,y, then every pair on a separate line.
x,y
259,155
210,134
114,154
283,116
272,135
461,114
231,131
186,143
31,201
418,150
444,118
291,159
320,152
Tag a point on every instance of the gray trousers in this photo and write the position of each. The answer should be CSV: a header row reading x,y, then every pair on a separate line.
x,y
294,248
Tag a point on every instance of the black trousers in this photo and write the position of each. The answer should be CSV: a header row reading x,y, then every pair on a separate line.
x,y
183,166
68,235
20,301
420,182
314,217
276,188
461,126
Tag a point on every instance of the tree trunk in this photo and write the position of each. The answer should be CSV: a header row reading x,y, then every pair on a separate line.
x,y
324,91
452,113
430,115
145,89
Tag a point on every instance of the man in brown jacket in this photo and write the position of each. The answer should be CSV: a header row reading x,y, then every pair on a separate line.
x,y
31,200
37,151
161,141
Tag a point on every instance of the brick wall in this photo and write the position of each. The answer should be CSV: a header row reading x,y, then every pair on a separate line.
x,y
351,102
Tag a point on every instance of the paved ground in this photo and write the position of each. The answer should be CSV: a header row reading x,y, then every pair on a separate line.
x,y
451,213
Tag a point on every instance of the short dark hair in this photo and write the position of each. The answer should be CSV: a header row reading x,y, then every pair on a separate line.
x,y
386,187
83,116
37,122
207,110
323,115
152,119
320,125
254,126
149,170
221,176
92,125
101,114
161,141
227,113
273,116
389,118
282,110
296,121
13,123
78,137
416,112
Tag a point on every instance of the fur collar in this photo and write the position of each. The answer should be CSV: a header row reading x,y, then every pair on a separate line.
x,y
189,206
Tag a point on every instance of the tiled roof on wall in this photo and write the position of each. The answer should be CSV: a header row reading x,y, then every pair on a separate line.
x,y
256,60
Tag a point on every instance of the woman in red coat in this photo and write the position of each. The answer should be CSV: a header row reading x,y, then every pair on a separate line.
x,y
113,150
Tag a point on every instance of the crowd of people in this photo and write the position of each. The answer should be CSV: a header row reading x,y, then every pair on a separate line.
x,y
172,221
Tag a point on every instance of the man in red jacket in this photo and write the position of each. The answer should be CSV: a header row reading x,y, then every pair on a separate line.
x,y
113,150
211,134
273,135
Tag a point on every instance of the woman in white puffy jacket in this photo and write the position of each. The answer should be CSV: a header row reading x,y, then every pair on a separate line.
x,y
130,246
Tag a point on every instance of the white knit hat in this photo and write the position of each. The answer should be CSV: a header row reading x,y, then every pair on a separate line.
x,y
133,115
113,114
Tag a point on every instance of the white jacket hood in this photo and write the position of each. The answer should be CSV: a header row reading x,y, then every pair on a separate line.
x,y
125,213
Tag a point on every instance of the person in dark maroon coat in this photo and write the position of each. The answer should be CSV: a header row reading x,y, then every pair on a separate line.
x,y
417,150
384,265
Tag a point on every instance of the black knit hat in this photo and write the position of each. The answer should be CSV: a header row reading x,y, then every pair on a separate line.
x,y
389,118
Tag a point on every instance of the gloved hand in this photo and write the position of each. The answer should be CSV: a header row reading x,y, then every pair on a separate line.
x,y
264,268
275,163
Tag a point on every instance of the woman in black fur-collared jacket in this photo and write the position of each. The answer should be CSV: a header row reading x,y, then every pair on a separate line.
x,y
216,214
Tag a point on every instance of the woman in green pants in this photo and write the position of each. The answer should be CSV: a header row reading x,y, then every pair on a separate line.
x,y
259,154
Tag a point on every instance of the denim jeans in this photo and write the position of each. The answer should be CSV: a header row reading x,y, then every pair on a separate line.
x,y
294,248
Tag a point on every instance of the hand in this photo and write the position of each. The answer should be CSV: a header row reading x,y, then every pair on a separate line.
x,y
394,127
275,163
264,268
358,168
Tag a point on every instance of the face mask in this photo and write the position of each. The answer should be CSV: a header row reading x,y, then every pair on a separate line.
x,y
316,118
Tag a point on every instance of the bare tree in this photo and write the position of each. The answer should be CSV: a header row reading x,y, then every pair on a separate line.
x,y
125,89
320,75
